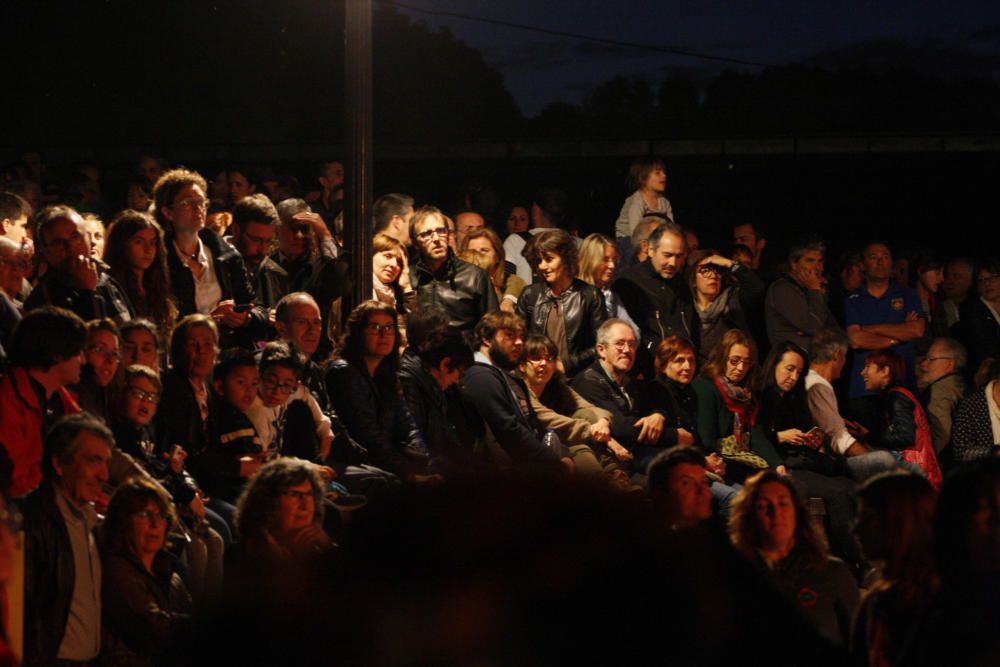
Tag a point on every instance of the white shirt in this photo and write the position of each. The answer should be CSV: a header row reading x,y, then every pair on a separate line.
x,y
825,412
207,290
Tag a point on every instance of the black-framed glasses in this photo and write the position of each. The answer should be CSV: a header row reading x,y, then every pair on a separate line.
x,y
143,395
428,234
272,384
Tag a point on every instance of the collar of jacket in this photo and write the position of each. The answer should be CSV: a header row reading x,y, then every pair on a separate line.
x,y
447,269
214,244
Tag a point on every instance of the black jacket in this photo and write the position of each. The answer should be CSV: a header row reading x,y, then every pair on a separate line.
x,y
234,280
463,292
627,406
583,312
896,428
429,408
659,307
679,404
270,283
49,577
979,330
107,300
389,435
485,388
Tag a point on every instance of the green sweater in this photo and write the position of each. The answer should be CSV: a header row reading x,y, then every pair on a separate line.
x,y
715,422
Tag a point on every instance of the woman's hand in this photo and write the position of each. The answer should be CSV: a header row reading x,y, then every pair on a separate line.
x,y
716,464
404,274
782,470
197,506
793,436
600,431
684,437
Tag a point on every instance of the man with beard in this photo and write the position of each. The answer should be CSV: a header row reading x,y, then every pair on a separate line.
x,y
254,226
656,295
502,400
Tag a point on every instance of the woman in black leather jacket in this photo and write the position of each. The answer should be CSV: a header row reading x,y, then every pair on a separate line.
x,y
560,306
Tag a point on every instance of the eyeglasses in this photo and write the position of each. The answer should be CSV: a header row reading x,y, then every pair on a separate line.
x,y
622,345
142,395
740,361
380,329
271,384
192,204
105,352
160,517
295,495
428,234
708,269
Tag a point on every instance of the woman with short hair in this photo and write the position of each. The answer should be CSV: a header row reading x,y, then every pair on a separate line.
x,y
561,306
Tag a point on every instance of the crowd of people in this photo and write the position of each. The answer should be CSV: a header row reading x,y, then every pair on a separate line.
x,y
195,419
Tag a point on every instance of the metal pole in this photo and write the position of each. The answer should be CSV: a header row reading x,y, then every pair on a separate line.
x,y
358,139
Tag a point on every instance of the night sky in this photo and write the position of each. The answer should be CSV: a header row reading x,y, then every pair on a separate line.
x,y
947,38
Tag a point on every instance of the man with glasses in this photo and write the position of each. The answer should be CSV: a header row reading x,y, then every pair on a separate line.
x,y
207,274
940,375
71,278
442,281
253,230
503,401
608,384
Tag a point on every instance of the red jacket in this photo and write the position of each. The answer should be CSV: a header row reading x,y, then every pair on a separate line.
x,y
21,422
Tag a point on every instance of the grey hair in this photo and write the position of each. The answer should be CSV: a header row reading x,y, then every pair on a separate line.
x,y
800,249
603,332
289,207
953,350
825,344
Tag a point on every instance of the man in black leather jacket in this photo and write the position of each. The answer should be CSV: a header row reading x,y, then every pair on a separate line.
x,y
656,296
442,281
254,226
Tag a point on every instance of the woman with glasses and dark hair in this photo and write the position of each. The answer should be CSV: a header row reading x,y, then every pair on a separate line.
x,y
138,259
770,526
145,603
364,391
785,415
560,305
728,409
724,292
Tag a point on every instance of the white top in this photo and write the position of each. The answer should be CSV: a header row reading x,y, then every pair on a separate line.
x,y
207,290
825,412
994,409
265,420
635,209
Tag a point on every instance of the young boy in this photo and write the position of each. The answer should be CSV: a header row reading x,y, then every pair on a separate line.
x,y
235,451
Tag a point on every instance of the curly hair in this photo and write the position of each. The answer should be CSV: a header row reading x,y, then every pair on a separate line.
x,y
168,186
744,531
257,504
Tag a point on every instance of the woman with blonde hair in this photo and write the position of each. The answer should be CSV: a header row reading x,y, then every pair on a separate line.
x,y
391,279
598,260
